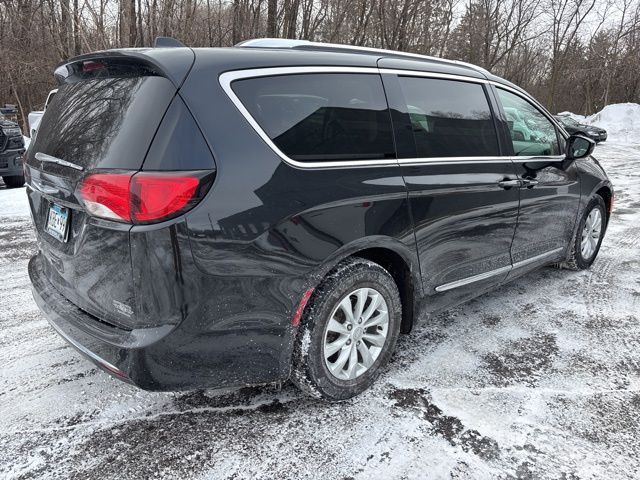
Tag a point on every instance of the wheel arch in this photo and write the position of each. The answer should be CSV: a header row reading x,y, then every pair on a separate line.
x,y
397,259
607,195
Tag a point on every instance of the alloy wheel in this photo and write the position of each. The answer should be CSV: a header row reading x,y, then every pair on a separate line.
x,y
591,233
356,333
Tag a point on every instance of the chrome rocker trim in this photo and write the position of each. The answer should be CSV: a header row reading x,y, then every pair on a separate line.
x,y
497,271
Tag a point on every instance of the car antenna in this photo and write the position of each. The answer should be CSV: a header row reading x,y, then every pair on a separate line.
x,y
167,42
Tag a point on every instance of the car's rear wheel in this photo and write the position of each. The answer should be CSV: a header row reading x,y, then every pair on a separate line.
x,y
589,235
348,331
14,181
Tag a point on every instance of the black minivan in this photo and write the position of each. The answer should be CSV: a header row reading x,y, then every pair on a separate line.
x,y
222,217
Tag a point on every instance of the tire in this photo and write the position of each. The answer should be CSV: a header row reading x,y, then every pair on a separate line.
x,y
577,259
311,371
15,181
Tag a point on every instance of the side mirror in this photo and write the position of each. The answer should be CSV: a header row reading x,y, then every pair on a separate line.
x,y
579,147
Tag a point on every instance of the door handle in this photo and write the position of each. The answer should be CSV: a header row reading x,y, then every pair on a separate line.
x,y
507,184
529,183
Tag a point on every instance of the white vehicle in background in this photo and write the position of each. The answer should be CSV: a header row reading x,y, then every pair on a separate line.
x,y
36,116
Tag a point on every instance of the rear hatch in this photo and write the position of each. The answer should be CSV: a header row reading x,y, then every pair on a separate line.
x,y
102,120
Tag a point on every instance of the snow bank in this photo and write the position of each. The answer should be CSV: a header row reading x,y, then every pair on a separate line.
x,y
620,120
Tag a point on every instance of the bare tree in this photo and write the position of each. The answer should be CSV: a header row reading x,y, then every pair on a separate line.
x,y
574,54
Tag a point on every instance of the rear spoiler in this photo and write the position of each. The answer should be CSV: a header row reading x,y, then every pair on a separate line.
x,y
173,63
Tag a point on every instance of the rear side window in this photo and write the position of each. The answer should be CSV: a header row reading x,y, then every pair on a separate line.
x,y
532,133
449,118
321,117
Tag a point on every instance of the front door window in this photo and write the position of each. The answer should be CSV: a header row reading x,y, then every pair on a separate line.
x,y
532,133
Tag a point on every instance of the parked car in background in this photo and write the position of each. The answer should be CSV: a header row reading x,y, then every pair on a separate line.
x,y
10,112
11,151
36,116
574,127
221,217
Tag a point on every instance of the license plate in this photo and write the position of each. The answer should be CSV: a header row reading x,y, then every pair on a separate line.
x,y
57,222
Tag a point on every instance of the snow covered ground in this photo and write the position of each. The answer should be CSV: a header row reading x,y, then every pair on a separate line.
x,y
539,379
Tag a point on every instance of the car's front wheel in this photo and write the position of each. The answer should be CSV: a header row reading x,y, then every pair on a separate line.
x,y
589,235
348,331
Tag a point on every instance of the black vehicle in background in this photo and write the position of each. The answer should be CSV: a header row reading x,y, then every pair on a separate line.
x,y
222,217
11,151
574,127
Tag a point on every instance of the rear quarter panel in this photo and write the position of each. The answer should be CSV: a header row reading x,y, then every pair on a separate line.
x,y
268,231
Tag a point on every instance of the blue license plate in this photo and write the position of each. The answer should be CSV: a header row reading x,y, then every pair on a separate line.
x,y
58,222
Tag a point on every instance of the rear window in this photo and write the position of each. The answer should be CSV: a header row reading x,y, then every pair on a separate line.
x,y
321,117
103,123
449,118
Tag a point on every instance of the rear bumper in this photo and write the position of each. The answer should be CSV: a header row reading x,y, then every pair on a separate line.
x,y
11,163
114,350
164,358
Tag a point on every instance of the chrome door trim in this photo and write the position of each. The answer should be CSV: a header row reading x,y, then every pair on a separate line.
x,y
453,160
475,278
44,158
538,158
497,271
537,258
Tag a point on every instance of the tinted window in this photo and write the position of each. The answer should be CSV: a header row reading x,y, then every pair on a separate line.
x,y
532,133
105,123
321,116
449,118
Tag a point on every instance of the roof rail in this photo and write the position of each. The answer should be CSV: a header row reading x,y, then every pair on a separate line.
x,y
289,43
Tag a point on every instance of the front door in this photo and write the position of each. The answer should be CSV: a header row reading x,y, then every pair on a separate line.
x,y
549,191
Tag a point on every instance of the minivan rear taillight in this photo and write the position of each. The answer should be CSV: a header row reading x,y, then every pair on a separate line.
x,y
142,197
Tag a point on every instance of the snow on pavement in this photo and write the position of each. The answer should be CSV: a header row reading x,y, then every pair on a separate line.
x,y
538,379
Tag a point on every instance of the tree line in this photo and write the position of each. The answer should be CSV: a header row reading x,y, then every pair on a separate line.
x,y
576,55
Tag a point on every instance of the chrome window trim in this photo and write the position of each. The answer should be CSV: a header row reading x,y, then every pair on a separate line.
x,y
227,78
538,158
497,271
528,98
436,75
410,162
